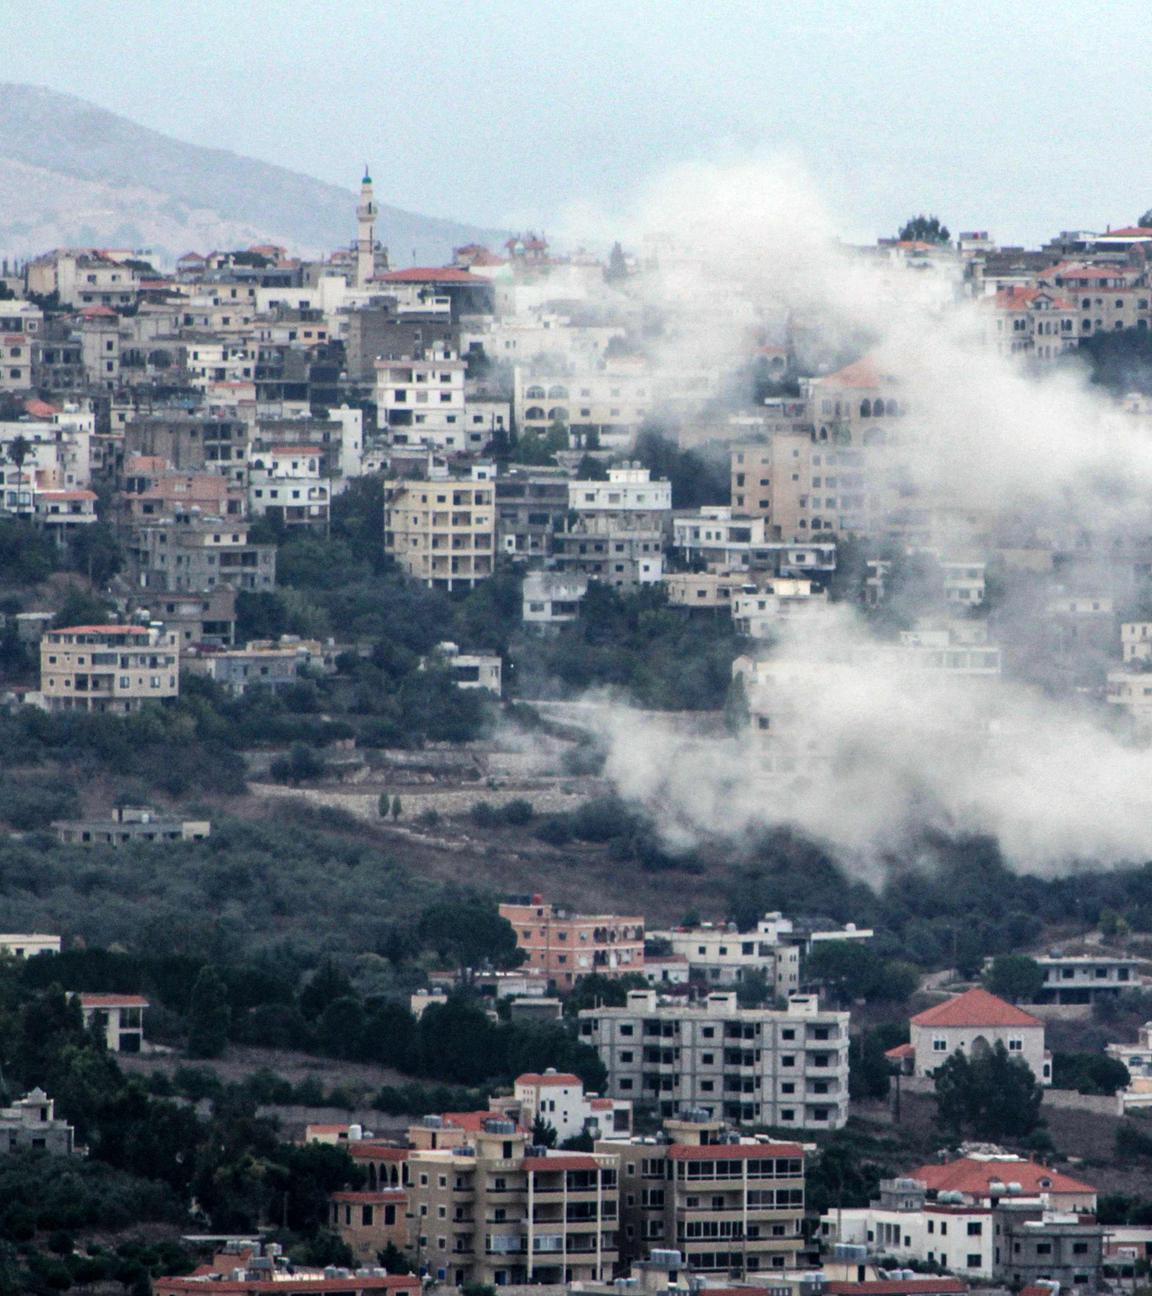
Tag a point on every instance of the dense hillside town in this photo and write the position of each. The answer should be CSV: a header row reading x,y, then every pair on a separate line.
x,y
601,771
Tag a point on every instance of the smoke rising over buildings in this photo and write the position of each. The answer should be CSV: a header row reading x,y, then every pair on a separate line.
x,y
863,747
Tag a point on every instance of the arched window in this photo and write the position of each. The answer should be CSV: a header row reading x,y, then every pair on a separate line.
x,y
534,393
557,393
865,409
875,436
558,414
893,409
816,524
534,412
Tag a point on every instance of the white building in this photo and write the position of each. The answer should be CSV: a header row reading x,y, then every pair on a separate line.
x,y
973,1023
1084,978
286,482
558,1098
28,944
470,670
1131,691
759,613
1138,1059
752,1065
120,1017
552,598
421,401
1136,641
628,490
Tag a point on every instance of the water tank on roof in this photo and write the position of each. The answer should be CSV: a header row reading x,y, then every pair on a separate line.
x,y
355,1133
499,1127
997,1187
1014,1187
432,1122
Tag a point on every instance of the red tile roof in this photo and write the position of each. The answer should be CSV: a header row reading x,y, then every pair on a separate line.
x,y
905,1287
975,1007
972,1175
1130,231
472,1121
380,1195
101,629
40,409
67,495
901,1051
422,274
575,1161
732,1151
556,1078
366,1150
112,1000
863,373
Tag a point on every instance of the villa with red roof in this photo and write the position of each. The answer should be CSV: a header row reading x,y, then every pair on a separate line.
x,y
972,1023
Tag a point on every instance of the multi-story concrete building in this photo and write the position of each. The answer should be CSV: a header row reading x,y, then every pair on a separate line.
x,y
369,1221
531,507
973,1023
113,669
552,598
497,1210
723,955
195,619
443,531
191,442
618,529
420,401
1085,978
730,1206
191,552
1136,641
285,483
785,1068
565,947
475,670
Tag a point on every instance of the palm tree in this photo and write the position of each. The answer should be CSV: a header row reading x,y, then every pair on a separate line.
x,y
18,451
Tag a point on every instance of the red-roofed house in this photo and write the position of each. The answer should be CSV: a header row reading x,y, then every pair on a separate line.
x,y
987,1177
558,1098
120,1016
972,1023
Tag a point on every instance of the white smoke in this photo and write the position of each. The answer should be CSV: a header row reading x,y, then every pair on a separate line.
x,y
886,752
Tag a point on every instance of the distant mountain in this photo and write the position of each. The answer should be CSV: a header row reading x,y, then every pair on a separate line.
x,y
74,174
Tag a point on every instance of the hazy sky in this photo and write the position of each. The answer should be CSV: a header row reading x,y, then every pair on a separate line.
x,y
1022,118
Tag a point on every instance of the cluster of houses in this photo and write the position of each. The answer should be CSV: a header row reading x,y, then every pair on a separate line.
x,y
251,387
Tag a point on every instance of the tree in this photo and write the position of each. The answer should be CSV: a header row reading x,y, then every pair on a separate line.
x,y
1089,1073
924,229
869,1072
543,1132
209,1015
471,931
396,808
1145,221
384,805
1015,977
19,448
328,984
990,1096
616,271
301,765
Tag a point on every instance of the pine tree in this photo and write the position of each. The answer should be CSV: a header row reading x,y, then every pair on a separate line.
x,y
209,1015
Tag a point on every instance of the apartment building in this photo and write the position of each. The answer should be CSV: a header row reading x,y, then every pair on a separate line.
x,y
195,619
786,1068
730,1206
618,529
443,531
153,488
286,483
113,669
190,442
1086,978
119,1016
723,955
1136,641
973,1023
611,403
565,947
531,507
420,401
552,598
497,1210
192,552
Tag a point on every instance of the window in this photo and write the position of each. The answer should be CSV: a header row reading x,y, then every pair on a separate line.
x,y
939,1045
975,1228
973,1261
